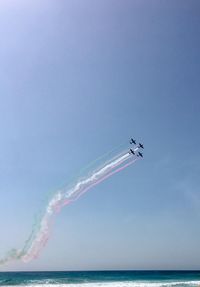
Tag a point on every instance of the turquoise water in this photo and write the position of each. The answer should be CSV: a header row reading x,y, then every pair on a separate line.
x,y
102,278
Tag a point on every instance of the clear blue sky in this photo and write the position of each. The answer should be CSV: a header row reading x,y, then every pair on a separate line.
x,y
77,78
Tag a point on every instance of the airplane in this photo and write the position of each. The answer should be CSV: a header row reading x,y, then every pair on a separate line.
x,y
131,151
132,141
140,154
141,145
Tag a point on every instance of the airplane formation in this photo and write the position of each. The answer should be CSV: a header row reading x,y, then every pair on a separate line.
x,y
133,151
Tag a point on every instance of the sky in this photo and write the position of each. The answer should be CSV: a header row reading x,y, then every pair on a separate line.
x,y
77,79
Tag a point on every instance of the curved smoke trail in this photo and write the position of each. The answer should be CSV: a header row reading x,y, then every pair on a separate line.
x,y
41,230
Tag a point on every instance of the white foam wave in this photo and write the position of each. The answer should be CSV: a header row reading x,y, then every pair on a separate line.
x,y
119,284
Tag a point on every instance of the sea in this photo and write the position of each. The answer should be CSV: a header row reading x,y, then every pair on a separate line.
x,y
101,278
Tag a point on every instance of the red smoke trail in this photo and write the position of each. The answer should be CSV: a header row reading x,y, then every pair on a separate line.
x,y
44,240
40,236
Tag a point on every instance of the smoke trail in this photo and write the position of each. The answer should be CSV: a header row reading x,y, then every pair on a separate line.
x,y
101,157
60,197
40,233
42,240
105,177
89,166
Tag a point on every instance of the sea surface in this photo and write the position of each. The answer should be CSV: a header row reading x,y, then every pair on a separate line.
x,y
101,278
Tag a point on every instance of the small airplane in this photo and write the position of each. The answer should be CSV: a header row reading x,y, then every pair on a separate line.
x,y
140,154
140,145
132,141
131,151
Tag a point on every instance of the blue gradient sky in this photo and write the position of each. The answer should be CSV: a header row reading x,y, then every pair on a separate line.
x,y
77,78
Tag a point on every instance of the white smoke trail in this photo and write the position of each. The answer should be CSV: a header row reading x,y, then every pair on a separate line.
x,y
59,200
40,234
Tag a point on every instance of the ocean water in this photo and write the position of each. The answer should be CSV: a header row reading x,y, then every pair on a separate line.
x,y
101,278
